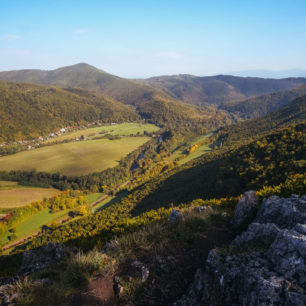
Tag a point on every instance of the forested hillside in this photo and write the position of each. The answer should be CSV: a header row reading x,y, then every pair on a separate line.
x,y
269,161
246,130
262,105
150,103
86,77
29,111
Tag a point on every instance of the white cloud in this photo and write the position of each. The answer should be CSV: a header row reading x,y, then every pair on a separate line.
x,y
80,31
10,37
169,54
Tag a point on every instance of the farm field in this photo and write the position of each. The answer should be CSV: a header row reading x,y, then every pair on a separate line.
x,y
124,129
73,158
33,223
13,195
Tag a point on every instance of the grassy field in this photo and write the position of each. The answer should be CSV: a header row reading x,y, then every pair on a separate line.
x,y
32,224
13,195
93,197
73,158
5,185
124,129
197,153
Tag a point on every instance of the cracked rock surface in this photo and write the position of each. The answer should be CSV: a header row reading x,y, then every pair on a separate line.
x,y
265,265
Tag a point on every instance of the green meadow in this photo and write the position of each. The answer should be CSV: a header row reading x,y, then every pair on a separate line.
x,y
203,149
84,156
73,158
124,129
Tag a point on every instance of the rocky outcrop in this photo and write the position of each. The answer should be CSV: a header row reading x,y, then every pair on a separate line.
x,y
42,258
175,216
245,209
265,265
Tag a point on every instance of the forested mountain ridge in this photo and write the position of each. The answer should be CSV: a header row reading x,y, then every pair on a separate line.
x,y
150,103
187,88
246,130
219,89
29,111
267,161
262,105
86,77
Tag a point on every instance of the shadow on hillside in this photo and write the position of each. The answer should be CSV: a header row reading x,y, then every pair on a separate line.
x,y
200,181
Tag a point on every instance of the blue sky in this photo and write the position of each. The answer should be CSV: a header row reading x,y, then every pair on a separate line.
x,y
154,37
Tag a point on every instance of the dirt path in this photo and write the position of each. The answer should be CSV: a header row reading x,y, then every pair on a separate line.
x,y
104,197
20,241
101,199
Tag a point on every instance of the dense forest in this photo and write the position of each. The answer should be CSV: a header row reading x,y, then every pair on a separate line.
x,y
252,129
29,111
228,172
262,105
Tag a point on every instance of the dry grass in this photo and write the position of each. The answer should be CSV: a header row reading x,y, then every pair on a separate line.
x,y
18,196
73,158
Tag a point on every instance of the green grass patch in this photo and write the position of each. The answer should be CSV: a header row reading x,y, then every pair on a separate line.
x,y
107,202
93,197
73,158
124,129
32,224
183,158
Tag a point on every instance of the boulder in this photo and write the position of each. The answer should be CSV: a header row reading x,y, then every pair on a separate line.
x,y
288,255
175,216
245,209
110,245
285,213
257,234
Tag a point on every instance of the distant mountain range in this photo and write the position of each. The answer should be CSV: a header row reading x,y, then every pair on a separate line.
x,y
187,88
275,74
179,99
219,89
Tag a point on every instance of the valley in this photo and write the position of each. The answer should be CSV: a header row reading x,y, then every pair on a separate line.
x,y
82,156
129,156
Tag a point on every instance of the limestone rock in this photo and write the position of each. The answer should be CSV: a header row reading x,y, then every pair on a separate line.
x,y
265,265
245,208
288,255
175,216
257,233
285,213
110,245
42,258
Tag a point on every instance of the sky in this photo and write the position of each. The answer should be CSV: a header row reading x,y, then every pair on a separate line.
x,y
145,38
